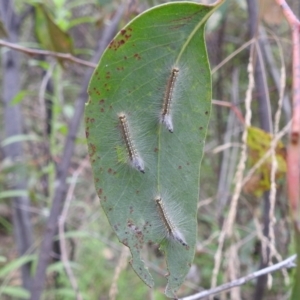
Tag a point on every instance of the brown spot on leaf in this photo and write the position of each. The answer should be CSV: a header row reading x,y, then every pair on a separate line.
x,y
116,44
137,56
92,150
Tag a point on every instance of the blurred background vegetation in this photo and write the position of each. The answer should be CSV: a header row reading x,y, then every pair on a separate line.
x,y
46,89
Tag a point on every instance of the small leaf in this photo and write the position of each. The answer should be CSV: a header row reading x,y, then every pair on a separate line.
x,y
19,97
15,264
48,32
127,92
13,193
259,142
15,292
19,138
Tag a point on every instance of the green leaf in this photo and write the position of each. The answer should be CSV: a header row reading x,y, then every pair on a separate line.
x,y
132,78
63,293
15,292
49,34
13,193
59,267
19,138
19,97
15,264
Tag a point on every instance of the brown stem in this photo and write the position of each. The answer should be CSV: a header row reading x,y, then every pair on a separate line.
x,y
34,52
293,158
231,106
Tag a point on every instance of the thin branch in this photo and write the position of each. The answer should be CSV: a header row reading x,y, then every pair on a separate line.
x,y
34,52
274,167
293,159
123,261
287,263
228,224
232,107
290,16
61,225
232,55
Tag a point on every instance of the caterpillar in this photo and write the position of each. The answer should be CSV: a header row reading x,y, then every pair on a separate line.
x,y
166,116
135,160
172,231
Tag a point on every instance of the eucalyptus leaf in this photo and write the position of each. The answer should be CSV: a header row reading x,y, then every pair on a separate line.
x,y
158,60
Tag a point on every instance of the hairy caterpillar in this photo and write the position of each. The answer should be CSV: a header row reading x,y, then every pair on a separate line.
x,y
172,231
166,116
134,158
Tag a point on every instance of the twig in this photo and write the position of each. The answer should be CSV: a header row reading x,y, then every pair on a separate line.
x,y
113,292
274,166
34,52
229,156
227,226
229,57
265,242
231,106
287,263
61,231
62,172
293,159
